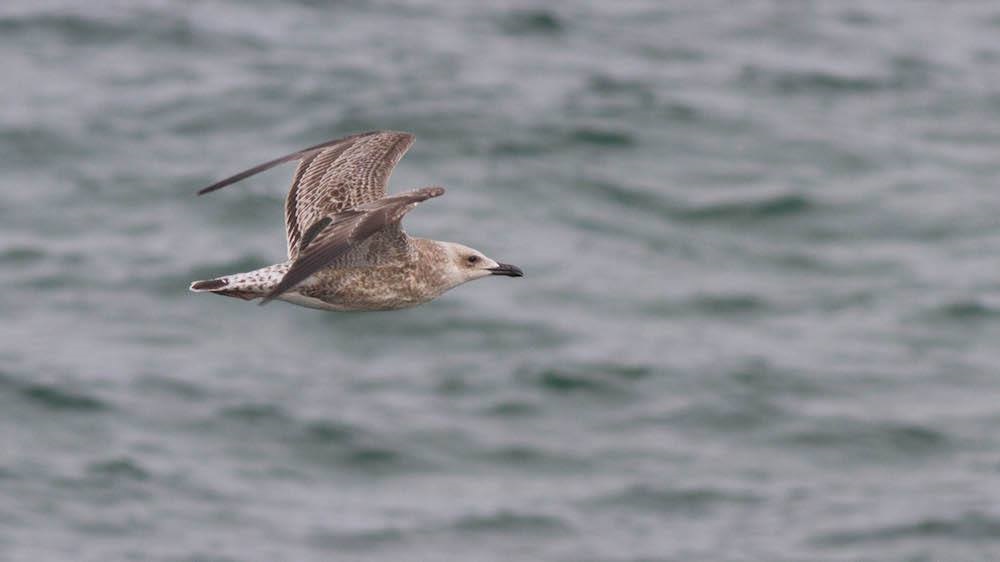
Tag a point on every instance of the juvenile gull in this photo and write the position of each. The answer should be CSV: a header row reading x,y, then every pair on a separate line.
x,y
346,247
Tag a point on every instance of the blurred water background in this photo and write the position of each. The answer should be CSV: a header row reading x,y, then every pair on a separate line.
x,y
760,319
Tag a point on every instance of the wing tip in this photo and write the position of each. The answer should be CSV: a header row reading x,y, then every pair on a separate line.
x,y
404,137
430,192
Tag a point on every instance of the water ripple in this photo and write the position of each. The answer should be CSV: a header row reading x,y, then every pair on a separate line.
x,y
879,439
22,255
58,398
970,526
526,457
601,137
687,501
118,469
508,522
762,209
357,540
323,441
80,30
905,73
608,380
532,22
965,311
724,305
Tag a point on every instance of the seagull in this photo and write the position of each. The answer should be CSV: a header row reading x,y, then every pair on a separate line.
x,y
347,250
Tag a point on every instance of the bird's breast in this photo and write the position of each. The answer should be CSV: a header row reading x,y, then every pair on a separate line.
x,y
366,288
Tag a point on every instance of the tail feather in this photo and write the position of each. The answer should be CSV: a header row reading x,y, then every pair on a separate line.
x,y
209,285
246,286
218,287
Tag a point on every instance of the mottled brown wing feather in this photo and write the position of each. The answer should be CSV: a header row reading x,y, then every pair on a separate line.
x,y
332,176
340,177
281,160
345,230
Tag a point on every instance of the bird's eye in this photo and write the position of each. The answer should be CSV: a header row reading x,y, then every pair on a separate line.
x,y
472,259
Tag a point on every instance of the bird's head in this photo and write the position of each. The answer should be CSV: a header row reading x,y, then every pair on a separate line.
x,y
465,264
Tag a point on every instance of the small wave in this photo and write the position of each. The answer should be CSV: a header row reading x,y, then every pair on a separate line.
x,y
859,18
356,540
546,139
195,120
607,84
601,137
30,145
324,441
378,459
903,72
613,99
708,305
679,112
510,522
671,500
168,385
268,419
82,30
776,206
629,196
255,413
518,147
965,310
880,438
732,415
21,255
75,28
761,378
745,398
729,304
513,409
812,81
801,261
596,379
206,556
536,21
348,446
564,382
328,432
60,399
503,522
502,334
55,281
969,526
123,468
533,458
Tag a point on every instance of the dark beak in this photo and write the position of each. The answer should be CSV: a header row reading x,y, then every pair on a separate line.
x,y
507,269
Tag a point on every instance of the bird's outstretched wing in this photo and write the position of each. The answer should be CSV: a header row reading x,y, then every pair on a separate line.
x,y
335,236
333,177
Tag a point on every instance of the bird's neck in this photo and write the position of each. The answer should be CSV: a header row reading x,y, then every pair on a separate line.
x,y
435,262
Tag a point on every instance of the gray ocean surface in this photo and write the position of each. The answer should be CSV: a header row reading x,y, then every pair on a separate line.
x,y
760,318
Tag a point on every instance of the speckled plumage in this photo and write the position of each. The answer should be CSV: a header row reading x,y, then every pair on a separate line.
x,y
346,247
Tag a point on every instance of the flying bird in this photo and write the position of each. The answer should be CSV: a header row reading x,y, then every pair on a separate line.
x,y
346,247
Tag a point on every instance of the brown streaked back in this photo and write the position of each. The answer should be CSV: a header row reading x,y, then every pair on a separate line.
x,y
338,234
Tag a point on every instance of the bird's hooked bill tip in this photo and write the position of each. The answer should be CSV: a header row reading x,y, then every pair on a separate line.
x,y
507,269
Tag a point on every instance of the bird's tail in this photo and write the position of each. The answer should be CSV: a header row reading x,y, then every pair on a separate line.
x,y
246,286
